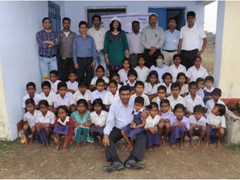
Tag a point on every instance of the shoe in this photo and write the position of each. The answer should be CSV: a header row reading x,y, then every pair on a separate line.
x,y
115,166
134,164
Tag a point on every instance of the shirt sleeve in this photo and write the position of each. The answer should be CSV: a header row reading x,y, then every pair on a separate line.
x,y
52,118
202,33
40,41
25,118
71,102
223,122
110,121
181,34
75,50
162,39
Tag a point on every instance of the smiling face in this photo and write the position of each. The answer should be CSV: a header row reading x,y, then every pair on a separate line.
x,y
153,21
47,25
125,96
179,113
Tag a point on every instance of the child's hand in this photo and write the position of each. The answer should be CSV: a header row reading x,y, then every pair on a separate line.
x,y
132,125
144,115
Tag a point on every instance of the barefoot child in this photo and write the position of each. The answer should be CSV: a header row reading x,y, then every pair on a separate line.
x,y
136,127
180,125
197,124
63,126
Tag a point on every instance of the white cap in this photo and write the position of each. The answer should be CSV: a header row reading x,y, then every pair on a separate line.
x,y
115,18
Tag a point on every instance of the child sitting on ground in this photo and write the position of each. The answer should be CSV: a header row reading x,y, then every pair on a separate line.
x,y
82,93
161,95
167,82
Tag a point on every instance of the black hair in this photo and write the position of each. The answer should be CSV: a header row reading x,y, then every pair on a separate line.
x,y
179,106
124,88
139,83
113,82
83,23
193,83
175,85
96,16
165,101
64,108
141,56
72,72
166,75
111,26
197,57
132,72
152,105
160,54
115,74
176,56
181,74
98,101
191,13
43,102
29,101
153,15
172,19
137,22
82,101
126,59
82,84
99,80
100,67
55,72
217,92
221,109
139,100
32,84
46,18
161,87
152,73
209,78
46,83
199,80
66,19
198,108
61,84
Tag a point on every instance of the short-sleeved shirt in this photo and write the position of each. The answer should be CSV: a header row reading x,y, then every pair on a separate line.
x,y
200,122
142,73
152,122
109,98
167,88
210,105
123,75
174,101
216,120
97,94
184,120
191,103
31,118
193,73
54,85
36,99
49,118
78,95
184,89
67,100
72,86
175,70
99,119
145,97
94,80
50,98
149,89
160,71
168,115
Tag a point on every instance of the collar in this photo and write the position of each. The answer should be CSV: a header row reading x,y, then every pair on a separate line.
x,y
136,112
63,122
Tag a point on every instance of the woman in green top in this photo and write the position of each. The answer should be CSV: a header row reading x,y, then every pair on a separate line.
x,y
115,46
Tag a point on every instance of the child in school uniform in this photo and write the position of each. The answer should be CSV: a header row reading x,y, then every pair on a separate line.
x,y
132,76
182,79
54,80
44,123
72,84
29,119
167,81
197,124
63,126
161,94
200,92
197,70
100,91
116,77
82,93
151,127
111,95
82,122
123,73
98,120
180,126
139,89
48,94
208,88
100,74
216,125
141,69
176,67
192,99
31,93
132,130
175,98
151,85
164,123
160,67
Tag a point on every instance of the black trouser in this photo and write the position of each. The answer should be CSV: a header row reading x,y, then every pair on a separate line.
x,y
134,59
188,57
138,148
85,71
66,66
151,60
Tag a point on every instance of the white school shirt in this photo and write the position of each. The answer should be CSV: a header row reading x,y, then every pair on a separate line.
x,y
36,99
94,80
48,118
192,37
123,75
167,115
167,88
173,101
160,71
208,90
216,120
73,86
190,103
142,73
145,97
210,105
119,116
67,100
98,36
193,73
134,43
175,70
66,120
184,120
31,119
99,119
152,122
200,93
96,94
200,122
184,89
128,83
149,89
109,98
54,85
50,98
78,95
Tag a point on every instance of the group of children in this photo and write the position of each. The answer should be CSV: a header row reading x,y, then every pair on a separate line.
x,y
176,102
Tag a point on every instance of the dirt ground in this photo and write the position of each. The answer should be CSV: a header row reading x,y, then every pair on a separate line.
x,y
19,161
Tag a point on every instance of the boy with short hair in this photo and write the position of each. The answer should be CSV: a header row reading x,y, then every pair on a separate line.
x,y
31,93
177,67
139,88
82,93
47,93
72,84
54,80
100,91
162,90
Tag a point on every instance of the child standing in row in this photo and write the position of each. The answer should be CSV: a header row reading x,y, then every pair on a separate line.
x,y
112,95
123,73
141,69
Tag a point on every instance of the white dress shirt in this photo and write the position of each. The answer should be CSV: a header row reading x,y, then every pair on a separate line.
x,y
109,98
200,122
175,70
36,99
193,73
49,118
152,122
67,100
78,95
134,43
142,73
123,75
216,120
50,98
174,101
97,94
98,36
145,97
160,71
73,86
54,85
191,103
31,118
99,119
149,89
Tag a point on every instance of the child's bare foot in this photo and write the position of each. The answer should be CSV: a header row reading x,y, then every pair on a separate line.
x,y
174,146
58,146
163,143
191,142
206,145
78,146
84,143
181,146
31,143
129,147
219,145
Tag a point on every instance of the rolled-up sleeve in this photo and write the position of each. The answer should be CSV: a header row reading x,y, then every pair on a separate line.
x,y
110,123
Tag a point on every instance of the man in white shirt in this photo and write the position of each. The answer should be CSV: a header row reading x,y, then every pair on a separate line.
x,y
134,44
192,42
153,38
120,114
98,34
170,46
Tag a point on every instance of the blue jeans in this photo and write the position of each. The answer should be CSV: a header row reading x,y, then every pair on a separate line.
x,y
47,65
101,61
